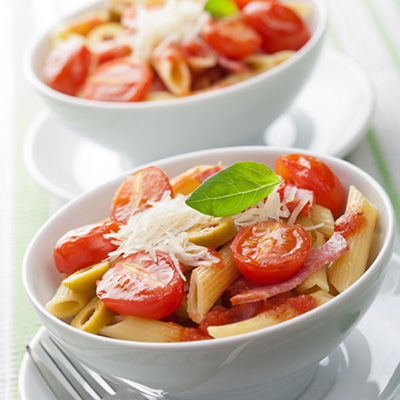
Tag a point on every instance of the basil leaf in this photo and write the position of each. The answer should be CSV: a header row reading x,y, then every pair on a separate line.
x,y
221,8
233,189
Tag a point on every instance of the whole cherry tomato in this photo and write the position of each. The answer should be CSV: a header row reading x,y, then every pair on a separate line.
x,y
142,287
67,67
136,190
231,38
84,246
270,252
119,80
279,26
308,172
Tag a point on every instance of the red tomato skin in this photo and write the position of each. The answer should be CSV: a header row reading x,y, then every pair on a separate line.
x,y
67,67
279,26
308,172
119,80
83,247
136,190
268,253
141,287
231,38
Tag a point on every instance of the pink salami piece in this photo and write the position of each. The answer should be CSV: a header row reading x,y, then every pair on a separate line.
x,y
232,65
334,248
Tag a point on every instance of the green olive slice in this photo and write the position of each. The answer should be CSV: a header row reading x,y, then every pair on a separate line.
x,y
85,279
215,234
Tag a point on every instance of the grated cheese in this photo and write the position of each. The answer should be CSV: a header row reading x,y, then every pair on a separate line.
x,y
271,209
176,21
307,198
163,227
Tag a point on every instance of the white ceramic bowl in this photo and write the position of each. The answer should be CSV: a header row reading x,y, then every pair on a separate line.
x,y
150,130
274,363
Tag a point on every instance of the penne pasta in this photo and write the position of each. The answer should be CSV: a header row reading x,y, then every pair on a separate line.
x,y
143,330
94,316
66,303
85,279
319,279
208,283
322,297
345,271
173,70
323,215
263,320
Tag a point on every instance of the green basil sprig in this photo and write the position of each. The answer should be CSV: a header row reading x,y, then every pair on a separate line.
x,y
221,8
233,189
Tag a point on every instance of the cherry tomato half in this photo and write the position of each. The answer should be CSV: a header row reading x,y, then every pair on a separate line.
x,y
307,172
67,67
136,190
84,246
119,80
231,38
142,287
279,26
270,252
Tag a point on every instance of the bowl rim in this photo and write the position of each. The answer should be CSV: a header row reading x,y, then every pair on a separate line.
x,y
36,81
315,314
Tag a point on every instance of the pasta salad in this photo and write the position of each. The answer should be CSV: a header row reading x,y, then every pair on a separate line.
x,y
214,252
161,49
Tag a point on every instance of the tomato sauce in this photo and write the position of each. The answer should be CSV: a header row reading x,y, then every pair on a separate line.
x,y
350,223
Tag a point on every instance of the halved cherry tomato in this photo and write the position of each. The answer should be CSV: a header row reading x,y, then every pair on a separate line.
x,y
84,246
119,80
307,172
279,26
67,66
231,38
142,287
136,190
270,252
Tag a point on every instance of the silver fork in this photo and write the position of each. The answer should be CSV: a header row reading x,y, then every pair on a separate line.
x,y
69,380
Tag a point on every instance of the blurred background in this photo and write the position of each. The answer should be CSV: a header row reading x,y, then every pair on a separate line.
x,y
368,31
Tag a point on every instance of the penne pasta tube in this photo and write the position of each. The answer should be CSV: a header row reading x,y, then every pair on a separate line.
x,y
85,279
318,279
262,320
323,215
322,297
66,303
348,268
208,283
173,70
94,316
143,330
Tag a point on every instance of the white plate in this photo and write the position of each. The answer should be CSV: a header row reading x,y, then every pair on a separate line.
x,y
330,116
363,367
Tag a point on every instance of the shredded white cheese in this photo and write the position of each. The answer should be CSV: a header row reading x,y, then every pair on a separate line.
x,y
164,227
176,21
307,198
271,209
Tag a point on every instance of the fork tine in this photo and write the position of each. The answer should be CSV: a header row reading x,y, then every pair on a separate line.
x,y
78,383
52,382
94,380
